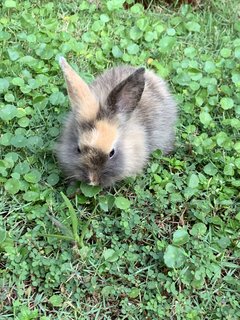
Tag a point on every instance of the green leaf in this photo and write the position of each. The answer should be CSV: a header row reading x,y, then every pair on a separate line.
x,y
3,167
210,169
4,35
34,176
13,156
150,36
5,139
8,112
194,86
103,202
35,142
159,28
205,118
13,54
174,257
116,51
22,167
193,181
12,186
4,84
134,293
97,25
31,196
110,255
23,122
15,175
224,242
209,67
135,33
198,229
163,71
238,216
180,237
237,163
53,179
56,300
84,252
17,81
216,220
21,112
190,52
237,146
166,44
31,38
114,5
107,291
225,52
19,141
57,98
89,191
222,139
133,48
122,203
171,31
104,18
229,169
193,26
10,4
237,26
183,79
157,178
226,103
142,23
137,8
45,51
237,53
236,78
9,97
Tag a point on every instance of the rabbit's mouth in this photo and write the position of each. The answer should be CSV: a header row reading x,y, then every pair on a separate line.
x,y
94,179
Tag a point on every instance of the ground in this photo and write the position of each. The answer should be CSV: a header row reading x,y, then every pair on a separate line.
x,y
163,245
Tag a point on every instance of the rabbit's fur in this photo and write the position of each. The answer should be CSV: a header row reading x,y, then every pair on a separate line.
x,y
115,123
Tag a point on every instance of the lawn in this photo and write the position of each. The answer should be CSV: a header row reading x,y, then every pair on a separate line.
x,y
162,245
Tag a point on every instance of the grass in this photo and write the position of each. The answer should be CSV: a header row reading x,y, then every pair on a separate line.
x,y
163,245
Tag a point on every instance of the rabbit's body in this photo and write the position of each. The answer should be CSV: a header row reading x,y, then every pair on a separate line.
x,y
133,115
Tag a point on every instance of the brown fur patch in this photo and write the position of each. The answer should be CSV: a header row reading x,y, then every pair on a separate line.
x,y
101,137
82,99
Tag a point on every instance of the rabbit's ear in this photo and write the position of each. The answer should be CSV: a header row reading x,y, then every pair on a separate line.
x,y
82,100
126,95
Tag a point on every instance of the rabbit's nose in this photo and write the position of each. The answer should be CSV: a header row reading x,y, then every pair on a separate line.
x,y
93,177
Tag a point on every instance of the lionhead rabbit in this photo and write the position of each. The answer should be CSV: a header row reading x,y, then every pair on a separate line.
x,y
114,124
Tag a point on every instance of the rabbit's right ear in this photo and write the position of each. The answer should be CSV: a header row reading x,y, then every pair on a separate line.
x,y
126,95
82,100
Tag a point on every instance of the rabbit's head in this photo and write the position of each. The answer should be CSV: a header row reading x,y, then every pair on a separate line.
x,y
93,144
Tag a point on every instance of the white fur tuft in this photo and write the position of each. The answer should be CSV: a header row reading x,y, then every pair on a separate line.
x,y
62,61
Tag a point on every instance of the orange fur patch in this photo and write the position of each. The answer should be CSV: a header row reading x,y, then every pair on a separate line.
x,y
102,137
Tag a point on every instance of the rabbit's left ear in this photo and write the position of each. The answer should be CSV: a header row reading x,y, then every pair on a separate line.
x,y
126,95
82,100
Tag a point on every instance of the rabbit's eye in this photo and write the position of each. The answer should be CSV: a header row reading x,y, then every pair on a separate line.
x,y
78,150
111,154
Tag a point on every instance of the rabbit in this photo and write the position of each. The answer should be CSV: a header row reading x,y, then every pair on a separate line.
x,y
115,123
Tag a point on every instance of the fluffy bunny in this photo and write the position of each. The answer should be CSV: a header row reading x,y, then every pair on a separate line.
x,y
114,124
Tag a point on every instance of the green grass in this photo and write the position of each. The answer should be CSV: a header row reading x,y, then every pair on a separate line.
x,y
163,245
